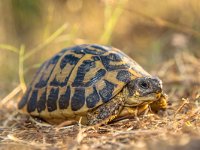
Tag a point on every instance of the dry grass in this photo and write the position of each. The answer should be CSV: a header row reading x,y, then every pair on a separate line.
x,y
148,31
177,128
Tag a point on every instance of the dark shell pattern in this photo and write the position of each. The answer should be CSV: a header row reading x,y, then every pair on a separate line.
x,y
78,79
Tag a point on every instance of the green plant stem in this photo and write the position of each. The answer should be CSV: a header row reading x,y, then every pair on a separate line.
x,y
46,42
9,48
111,20
21,68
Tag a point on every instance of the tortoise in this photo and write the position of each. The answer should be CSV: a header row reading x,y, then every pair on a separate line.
x,y
93,84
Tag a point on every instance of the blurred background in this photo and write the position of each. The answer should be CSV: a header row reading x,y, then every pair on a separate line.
x,y
151,32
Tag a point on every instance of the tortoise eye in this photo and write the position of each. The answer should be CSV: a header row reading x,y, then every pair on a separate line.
x,y
144,84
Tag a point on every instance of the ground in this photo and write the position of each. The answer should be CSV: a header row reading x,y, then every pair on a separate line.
x,y
176,128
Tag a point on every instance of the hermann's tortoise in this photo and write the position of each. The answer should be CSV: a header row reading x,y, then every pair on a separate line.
x,y
91,83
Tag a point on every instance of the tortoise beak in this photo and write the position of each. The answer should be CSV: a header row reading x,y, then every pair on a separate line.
x,y
135,101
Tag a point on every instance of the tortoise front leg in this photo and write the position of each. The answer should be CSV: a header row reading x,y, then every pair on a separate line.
x,y
130,112
106,112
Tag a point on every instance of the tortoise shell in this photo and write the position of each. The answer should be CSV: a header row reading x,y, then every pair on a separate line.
x,y
78,79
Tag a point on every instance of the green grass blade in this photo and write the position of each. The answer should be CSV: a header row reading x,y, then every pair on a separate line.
x,y
21,68
9,48
46,42
111,20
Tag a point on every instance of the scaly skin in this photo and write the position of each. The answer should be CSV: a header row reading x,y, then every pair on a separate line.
x,y
115,110
107,112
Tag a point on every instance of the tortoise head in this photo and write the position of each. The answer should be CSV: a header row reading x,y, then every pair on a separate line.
x,y
142,90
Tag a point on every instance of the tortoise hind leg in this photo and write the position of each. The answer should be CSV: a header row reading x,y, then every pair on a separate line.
x,y
106,112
